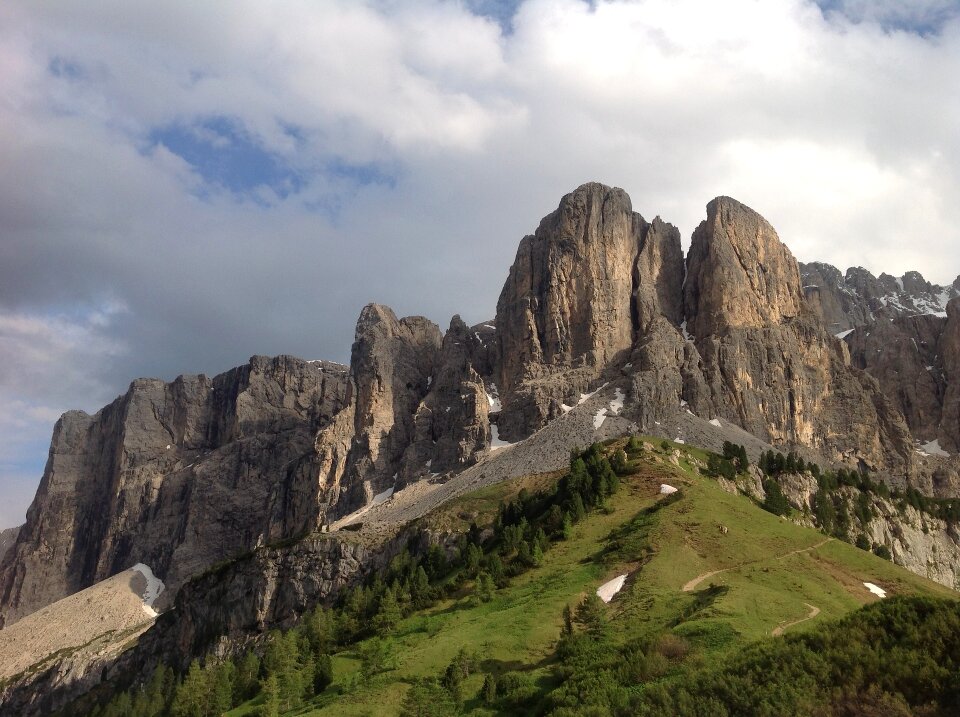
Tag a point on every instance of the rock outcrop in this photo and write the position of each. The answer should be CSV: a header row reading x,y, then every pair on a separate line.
x,y
767,364
7,538
391,369
858,298
176,475
576,296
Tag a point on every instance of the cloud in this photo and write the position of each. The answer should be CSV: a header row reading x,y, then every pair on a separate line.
x,y
48,364
243,180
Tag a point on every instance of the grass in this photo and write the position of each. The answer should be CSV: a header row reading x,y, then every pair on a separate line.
x,y
771,571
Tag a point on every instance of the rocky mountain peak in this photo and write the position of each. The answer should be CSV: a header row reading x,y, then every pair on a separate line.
x,y
739,273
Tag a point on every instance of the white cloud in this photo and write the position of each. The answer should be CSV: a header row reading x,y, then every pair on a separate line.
x,y
839,129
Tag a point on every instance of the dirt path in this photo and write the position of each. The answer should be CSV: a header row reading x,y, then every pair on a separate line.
x,y
778,630
689,586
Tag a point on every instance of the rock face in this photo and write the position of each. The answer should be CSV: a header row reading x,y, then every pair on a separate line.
x,y
418,407
7,538
730,334
739,274
176,475
391,368
858,298
576,297
767,364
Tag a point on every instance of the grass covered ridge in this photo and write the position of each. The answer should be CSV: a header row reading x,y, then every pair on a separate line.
x,y
540,644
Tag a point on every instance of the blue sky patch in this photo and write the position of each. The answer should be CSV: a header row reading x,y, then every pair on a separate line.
x,y
922,18
500,10
224,154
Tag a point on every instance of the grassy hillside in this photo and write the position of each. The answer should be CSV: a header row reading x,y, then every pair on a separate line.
x,y
726,609
709,570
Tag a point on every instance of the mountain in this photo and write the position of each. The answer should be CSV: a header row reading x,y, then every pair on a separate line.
x,y
275,486
905,333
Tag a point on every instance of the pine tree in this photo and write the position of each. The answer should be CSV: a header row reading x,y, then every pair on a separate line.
x,y
536,555
323,673
191,697
485,587
591,615
221,694
248,673
489,690
388,613
271,699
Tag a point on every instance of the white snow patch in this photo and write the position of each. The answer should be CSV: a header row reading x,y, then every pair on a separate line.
x,y
447,409
616,405
875,589
686,334
382,497
495,442
599,417
587,396
845,334
606,591
933,449
716,422
678,439
565,408
429,381
493,397
154,587
629,365
168,446
667,489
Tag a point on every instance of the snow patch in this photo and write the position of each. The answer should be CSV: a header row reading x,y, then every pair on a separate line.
x,y
716,422
599,417
606,591
845,334
616,405
875,589
382,497
686,334
587,396
667,489
565,408
679,440
154,587
493,397
933,449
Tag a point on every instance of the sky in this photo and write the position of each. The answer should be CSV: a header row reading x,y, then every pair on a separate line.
x,y
184,185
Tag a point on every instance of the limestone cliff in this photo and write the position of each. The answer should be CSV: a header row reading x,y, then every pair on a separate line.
x,y
176,475
767,364
578,293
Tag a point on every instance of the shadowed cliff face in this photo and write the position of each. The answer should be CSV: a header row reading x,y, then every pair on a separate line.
x,y
175,475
